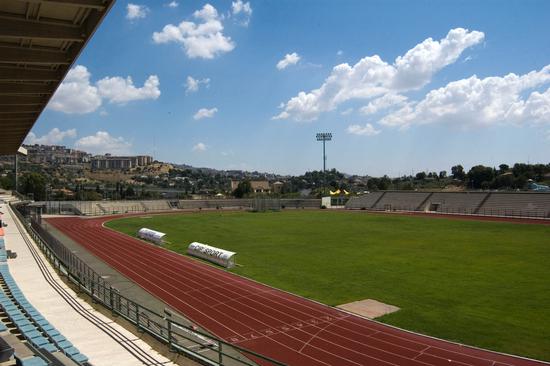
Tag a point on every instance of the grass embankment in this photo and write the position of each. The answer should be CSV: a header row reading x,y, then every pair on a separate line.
x,y
481,283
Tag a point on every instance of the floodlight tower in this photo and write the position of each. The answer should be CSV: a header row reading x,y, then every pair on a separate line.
x,y
324,136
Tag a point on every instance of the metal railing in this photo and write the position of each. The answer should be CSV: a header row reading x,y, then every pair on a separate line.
x,y
503,212
98,208
181,338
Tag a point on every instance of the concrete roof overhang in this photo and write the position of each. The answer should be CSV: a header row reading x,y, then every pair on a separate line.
x,y
39,41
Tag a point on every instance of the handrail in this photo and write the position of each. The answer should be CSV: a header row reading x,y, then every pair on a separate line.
x,y
146,320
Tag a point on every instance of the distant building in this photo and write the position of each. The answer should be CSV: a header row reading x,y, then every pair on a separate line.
x,y
55,154
109,162
277,187
258,186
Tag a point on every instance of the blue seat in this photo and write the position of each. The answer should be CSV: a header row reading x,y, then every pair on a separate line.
x,y
42,322
64,344
33,361
71,351
18,317
80,358
22,323
33,334
58,338
11,306
27,328
50,347
53,332
3,327
48,328
39,341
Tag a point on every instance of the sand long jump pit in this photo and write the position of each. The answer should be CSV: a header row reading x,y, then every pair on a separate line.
x,y
369,308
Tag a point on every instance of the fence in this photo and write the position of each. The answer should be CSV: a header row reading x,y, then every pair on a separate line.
x,y
97,208
180,338
541,214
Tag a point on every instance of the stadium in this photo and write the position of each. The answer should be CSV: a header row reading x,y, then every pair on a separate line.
x,y
388,277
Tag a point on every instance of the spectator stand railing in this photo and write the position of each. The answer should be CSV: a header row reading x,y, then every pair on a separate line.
x,y
534,213
181,338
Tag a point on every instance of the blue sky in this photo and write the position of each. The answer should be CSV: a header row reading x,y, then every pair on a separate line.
x,y
403,86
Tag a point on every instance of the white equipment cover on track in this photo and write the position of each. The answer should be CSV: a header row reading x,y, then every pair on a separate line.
x,y
151,235
216,255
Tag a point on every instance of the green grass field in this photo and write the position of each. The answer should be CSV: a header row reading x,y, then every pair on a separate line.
x,y
481,283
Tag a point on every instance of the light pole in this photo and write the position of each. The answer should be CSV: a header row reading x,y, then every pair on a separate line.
x,y
324,136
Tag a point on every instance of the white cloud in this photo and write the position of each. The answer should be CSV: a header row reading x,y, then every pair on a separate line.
x,y
76,94
289,59
495,100
134,11
548,135
366,130
54,137
192,85
240,8
384,102
120,90
372,77
205,113
347,112
203,39
173,4
227,153
102,143
200,147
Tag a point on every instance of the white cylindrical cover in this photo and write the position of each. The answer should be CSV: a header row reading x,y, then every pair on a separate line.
x,y
151,235
216,255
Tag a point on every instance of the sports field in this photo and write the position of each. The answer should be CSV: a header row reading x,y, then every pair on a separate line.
x,y
480,283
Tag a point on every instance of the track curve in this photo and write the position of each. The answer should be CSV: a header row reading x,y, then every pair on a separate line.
x,y
285,327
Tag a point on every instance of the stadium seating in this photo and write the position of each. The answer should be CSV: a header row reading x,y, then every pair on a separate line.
x,y
525,204
406,201
517,204
364,201
116,207
157,205
37,332
454,202
216,203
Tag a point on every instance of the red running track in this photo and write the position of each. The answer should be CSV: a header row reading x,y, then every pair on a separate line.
x,y
285,327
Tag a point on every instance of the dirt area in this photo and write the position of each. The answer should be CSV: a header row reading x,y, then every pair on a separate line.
x,y
369,308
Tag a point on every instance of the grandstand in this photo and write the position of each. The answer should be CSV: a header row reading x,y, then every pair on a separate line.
x,y
33,339
401,201
517,204
157,205
473,203
365,201
469,203
454,202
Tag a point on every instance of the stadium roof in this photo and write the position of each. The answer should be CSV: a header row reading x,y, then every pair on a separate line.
x,y
39,41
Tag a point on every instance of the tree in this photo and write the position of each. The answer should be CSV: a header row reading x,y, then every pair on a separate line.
x,y
458,173
421,176
130,192
91,196
504,181
481,176
443,174
35,184
7,182
243,189
372,184
503,168
384,183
